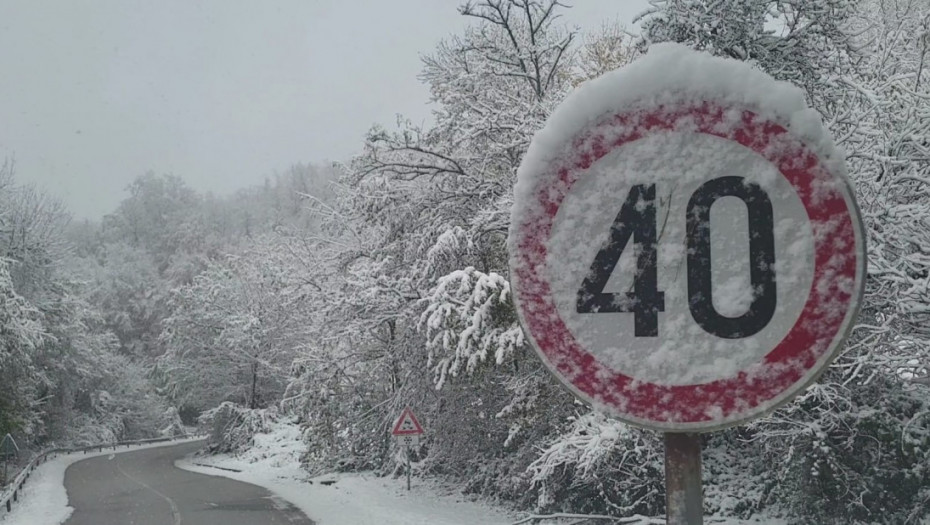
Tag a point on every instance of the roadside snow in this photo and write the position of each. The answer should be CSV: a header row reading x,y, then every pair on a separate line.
x,y
363,498
352,499
366,499
356,499
44,500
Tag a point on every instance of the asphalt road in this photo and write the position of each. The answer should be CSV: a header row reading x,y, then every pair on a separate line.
x,y
145,488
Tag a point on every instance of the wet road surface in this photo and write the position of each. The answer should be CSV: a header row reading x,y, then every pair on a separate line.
x,y
145,488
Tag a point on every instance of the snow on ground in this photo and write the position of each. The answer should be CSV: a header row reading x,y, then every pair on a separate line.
x,y
363,498
354,499
274,463
44,500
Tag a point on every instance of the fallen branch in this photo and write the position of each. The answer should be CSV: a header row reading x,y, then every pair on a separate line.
x,y
630,520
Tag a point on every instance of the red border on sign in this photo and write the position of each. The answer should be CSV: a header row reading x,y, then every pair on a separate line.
x,y
783,368
403,415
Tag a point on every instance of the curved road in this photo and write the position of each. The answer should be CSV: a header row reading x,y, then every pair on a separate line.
x,y
145,488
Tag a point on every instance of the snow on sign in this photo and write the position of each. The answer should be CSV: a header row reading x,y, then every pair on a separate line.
x,y
407,424
686,252
408,440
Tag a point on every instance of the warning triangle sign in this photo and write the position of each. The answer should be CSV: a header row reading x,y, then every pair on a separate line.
x,y
407,424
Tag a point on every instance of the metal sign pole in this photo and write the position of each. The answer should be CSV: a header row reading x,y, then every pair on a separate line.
x,y
684,497
407,451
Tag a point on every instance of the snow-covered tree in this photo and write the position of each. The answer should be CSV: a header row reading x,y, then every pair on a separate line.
x,y
232,332
56,353
21,333
416,241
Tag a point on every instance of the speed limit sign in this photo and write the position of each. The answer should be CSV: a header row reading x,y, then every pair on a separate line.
x,y
686,251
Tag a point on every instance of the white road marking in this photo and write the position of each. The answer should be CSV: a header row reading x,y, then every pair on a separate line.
x,y
174,508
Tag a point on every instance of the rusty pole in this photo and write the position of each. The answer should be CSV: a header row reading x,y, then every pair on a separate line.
x,y
684,497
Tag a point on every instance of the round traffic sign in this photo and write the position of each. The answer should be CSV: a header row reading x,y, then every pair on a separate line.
x,y
686,251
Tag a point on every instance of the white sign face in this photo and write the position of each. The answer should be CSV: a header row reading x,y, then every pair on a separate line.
x,y
747,312
407,424
408,440
686,251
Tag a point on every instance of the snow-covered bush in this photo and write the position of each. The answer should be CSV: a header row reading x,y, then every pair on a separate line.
x,y
173,425
855,452
87,430
232,427
599,465
469,316
119,405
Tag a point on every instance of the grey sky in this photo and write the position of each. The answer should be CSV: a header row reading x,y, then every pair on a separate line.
x,y
220,93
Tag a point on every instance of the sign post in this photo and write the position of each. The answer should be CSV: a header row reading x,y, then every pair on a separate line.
x,y
684,498
407,431
8,449
686,252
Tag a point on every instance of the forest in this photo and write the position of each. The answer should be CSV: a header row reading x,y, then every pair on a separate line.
x,y
337,295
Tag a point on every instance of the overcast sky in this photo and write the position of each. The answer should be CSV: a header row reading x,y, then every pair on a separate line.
x,y
95,93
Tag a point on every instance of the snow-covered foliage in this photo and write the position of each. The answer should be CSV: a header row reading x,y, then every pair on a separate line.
x,y
600,462
468,316
232,333
61,379
258,439
231,427
22,335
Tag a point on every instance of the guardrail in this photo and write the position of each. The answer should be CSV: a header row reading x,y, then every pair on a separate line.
x,y
12,491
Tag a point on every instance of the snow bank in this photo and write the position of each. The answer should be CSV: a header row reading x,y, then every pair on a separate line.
x,y
44,500
273,462
351,499
360,499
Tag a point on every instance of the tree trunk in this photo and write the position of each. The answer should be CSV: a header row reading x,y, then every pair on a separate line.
x,y
252,399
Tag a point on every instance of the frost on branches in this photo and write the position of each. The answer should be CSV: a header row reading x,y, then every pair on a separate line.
x,y
22,334
232,334
469,315
61,380
597,458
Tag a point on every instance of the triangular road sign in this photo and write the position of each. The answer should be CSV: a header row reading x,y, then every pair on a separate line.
x,y
8,446
407,424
